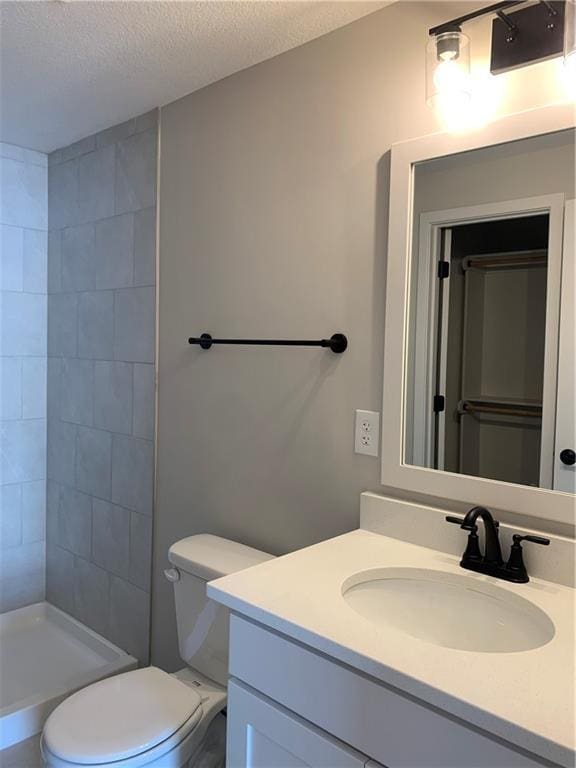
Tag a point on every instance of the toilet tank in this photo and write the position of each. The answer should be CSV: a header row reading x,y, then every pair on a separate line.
x,y
202,623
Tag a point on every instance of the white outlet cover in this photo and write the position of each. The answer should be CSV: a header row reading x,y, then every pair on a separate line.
x,y
367,433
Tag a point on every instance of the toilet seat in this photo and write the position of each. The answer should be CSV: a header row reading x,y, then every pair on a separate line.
x,y
128,720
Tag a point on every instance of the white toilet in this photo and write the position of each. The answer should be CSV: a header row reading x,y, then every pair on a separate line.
x,y
148,717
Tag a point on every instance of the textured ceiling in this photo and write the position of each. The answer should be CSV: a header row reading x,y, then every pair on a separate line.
x,y
69,69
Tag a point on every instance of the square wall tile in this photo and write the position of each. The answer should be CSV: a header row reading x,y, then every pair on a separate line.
x,y
22,450
78,258
133,473
15,591
77,396
14,152
54,393
93,461
10,515
115,134
55,261
111,537
23,324
140,550
35,264
55,157
62,452
34,511
96,325
78,148
130,618
144,401
91,595
10,388
11,258
75,521
147,121
52,511
60,578
63,195
145,247
96,177
113,396
23,194
134,325
115,252
136,172
34,382
63,324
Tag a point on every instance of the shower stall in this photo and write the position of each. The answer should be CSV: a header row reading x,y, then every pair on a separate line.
x,y
77,413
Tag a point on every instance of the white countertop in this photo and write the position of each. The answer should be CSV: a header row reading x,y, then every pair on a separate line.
x,y
526,698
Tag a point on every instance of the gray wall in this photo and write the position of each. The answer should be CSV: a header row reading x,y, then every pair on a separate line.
x,y
542,165
101,348
273,214
23,224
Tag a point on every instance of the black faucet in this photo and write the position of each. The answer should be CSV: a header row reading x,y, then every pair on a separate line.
x,y
491,562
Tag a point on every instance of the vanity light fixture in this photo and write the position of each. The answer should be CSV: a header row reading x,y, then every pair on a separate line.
x,y
521,35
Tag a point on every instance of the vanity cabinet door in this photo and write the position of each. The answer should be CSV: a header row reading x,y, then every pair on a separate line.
x,y
264,735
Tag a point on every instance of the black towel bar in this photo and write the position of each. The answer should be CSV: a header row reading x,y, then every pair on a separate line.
x,y
337,342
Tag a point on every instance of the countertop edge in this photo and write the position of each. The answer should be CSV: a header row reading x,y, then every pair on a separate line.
x,y
468,714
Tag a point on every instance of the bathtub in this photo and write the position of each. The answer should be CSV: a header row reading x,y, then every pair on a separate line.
x,y
45,655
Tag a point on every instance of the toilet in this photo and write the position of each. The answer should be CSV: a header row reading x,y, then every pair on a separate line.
x,y
148,717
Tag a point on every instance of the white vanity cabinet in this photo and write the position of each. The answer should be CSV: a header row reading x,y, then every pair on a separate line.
x,y
292,707
262,734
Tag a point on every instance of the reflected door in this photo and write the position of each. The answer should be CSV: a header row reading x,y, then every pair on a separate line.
x,y
490,350
564,470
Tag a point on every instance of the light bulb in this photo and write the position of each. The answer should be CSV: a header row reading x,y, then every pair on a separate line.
x,y
448,70
449,77
447,55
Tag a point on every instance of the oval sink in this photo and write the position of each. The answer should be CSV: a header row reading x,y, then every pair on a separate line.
x,y
449,610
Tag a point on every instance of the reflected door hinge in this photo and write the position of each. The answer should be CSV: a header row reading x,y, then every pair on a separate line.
x,y
443,269
439,403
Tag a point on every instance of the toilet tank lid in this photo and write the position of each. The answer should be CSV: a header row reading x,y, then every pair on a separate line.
x,y
210,557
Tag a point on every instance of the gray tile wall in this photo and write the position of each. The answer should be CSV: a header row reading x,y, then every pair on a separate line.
x,y
23,258
101,363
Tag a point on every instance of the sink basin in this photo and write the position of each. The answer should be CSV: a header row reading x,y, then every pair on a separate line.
x,y
450,610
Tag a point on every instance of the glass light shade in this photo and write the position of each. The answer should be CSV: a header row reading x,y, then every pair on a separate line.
x,y
448,70
570,39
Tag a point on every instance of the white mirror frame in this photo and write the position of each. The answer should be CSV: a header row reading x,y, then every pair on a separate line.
x,y
541,503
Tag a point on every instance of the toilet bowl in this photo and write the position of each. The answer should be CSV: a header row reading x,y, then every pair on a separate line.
x,y
148,717
141,718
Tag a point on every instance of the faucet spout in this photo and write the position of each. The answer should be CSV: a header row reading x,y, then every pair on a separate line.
x,y
491,563
492,551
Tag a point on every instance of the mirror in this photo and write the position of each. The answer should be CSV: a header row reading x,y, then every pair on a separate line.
x,y
490,359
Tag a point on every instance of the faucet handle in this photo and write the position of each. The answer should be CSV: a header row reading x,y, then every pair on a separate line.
x,y
460,521
515,567
473,527
472,552
517,538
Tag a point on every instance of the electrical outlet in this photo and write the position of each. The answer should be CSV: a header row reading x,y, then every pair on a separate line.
x,y
367,433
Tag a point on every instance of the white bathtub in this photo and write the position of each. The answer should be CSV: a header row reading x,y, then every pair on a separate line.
x,y
45,655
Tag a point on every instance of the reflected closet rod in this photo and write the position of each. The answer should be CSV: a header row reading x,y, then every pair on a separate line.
x,y
506,260
503,409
